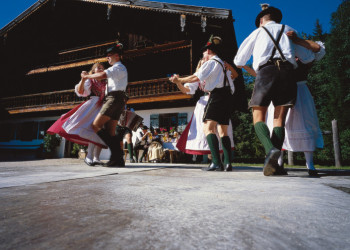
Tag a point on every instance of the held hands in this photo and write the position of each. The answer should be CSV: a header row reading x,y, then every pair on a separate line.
x,y
83,75
175,79
292,35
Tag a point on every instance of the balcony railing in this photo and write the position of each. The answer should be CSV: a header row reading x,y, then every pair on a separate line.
x,y
156,90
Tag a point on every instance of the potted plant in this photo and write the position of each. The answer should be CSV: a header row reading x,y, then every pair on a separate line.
x,y
79,151
51,142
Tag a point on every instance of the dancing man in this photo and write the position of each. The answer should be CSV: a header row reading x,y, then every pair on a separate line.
x,y
107,120
218,109
274,62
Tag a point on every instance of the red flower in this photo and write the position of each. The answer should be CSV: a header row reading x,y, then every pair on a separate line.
x,y
208,43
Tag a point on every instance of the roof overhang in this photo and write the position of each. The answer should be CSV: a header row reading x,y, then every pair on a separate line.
x,y
136,4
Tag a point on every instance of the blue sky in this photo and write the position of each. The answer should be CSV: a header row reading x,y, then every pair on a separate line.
x,y
301,15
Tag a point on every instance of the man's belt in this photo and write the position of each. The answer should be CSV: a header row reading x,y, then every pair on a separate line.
x,y
275,61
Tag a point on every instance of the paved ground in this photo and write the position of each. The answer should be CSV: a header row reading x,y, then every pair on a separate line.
x,y
64,204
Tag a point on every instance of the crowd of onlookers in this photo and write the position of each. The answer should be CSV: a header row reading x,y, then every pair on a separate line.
x,y
155,144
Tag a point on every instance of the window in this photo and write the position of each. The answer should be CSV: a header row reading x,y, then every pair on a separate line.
x,y
177,120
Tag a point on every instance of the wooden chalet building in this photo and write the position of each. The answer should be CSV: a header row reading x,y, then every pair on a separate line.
x,y
45,48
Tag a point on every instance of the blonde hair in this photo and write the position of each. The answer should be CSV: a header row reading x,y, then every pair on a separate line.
x,y
200,63
93,68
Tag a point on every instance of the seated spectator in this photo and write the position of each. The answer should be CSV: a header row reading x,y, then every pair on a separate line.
x,y
176,137
142,138
166,137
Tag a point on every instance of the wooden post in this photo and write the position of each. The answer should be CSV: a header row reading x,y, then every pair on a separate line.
x,y
290,158
337,155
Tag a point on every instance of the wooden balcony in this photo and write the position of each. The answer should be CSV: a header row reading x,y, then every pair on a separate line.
x,y
157,90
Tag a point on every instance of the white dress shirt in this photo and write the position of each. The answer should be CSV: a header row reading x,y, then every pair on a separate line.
x,y
212,73
117,77
260,45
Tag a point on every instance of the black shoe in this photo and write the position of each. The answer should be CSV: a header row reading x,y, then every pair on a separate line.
x,y
271,162
114,164
214,167
132,160
91,164
98,163
228,167
313,172
280,171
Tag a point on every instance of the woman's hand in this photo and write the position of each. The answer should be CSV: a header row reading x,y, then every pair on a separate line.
x,y
174,79
292,35
84,74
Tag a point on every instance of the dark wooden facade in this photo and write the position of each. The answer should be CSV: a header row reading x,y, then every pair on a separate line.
x,y
44,50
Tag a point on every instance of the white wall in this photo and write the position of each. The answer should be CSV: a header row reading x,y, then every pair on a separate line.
x,y
146,115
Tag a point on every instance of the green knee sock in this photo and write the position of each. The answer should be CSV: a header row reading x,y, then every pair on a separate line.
x,y
214,148
131,150
277,137
263,133
226,147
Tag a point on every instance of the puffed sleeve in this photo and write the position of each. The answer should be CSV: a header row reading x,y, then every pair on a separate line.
x,y
304,55
319,55
87,89
193,86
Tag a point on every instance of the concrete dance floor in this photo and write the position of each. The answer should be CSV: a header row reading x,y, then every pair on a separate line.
x,y
64,204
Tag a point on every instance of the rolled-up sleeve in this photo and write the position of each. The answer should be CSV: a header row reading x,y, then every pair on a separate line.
x,y
116,72
245,51
87,89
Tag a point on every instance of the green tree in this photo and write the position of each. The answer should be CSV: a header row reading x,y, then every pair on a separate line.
x,y
329,80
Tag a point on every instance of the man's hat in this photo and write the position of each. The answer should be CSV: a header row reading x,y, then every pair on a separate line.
x,y
276,14
115,49
214,44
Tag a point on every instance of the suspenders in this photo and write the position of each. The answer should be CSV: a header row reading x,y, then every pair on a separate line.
x,y
225,76
276,61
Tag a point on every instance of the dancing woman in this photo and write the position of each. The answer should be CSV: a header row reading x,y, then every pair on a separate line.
x,y
75,125
303,133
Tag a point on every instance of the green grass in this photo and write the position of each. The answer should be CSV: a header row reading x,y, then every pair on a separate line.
x,y
296,166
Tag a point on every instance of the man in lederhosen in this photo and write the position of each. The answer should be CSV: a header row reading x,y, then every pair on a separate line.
x,y
106,121
274,62
218,110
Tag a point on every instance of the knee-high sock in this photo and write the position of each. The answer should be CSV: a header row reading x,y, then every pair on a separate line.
x,y
309,159
277,137
280,159
90,151
106,137
226,147
263,133
214,148
97,153
130,150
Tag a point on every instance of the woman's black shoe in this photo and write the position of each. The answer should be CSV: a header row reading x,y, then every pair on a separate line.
x,y
228,167
313,172
214,167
